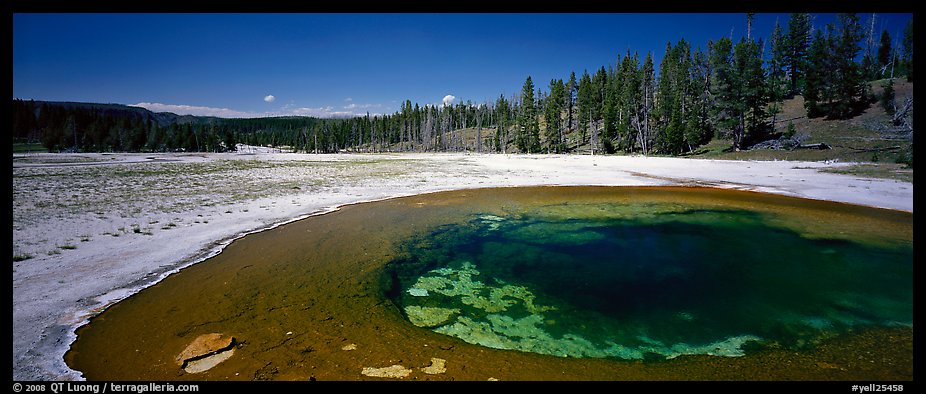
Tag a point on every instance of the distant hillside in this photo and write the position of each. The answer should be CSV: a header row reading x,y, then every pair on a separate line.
x,y
162,119
869,136
76,126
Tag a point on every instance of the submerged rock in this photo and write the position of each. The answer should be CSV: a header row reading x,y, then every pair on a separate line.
x,y
392,371
493,222
418,292
205,352
436,367
491,218
729,347
461,283
556,233
425,316
206,363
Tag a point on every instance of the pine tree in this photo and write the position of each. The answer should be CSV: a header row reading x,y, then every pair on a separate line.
x,y
24,122
724,86
599,90
797,44
674,97
738,86
777,75
908,50
699,129
553,109
570,97
816,86
528,137
609,114
755,98
674,134
884,54
629,101
850,90
685,92
648,87
502,116
584,104
665,99
887,97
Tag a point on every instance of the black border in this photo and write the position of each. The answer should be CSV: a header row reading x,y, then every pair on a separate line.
x,y
393,6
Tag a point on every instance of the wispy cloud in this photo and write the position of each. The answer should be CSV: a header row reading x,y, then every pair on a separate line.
x,y
269,98
353,106
347,111
320,112
181,109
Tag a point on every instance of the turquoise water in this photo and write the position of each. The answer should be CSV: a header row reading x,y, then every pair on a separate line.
x,y
647,286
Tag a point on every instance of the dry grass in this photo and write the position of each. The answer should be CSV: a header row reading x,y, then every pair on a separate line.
x,y
130,189
861,139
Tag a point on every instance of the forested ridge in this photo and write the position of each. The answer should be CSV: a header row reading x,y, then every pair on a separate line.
x,y
721,89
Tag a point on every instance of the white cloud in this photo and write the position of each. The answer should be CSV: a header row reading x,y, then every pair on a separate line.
x,y
348,111
320,112
181,109
269,98
448,99
352,106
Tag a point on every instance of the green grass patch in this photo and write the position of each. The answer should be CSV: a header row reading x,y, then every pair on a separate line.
x,y
894,171
21,257
29,148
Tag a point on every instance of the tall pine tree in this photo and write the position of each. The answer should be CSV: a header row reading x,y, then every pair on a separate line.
x,y
754,91
629,101
648,87
851,87
885,53
584,99
797,44
552,111
908,50
609,113
740,93
778,84
817,88
528,136
699,128
570,102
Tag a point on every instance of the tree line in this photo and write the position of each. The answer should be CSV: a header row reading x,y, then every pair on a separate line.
x,y
725,89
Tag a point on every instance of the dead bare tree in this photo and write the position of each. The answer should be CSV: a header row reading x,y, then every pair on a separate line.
x,y
479,129
900,115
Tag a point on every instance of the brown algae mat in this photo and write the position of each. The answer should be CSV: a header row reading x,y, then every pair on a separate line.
x,y
307,301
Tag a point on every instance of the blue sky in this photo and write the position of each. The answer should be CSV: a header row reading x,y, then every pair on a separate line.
x,y
338,64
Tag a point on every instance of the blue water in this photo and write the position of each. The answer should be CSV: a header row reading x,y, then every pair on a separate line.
x,y
659,285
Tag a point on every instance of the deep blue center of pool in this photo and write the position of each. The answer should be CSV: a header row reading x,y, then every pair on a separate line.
x,y
688,282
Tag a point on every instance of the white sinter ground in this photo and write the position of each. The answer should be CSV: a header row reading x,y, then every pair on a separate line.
x,y
91,229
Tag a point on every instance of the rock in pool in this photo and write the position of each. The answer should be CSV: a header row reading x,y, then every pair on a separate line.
x,y
205,352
